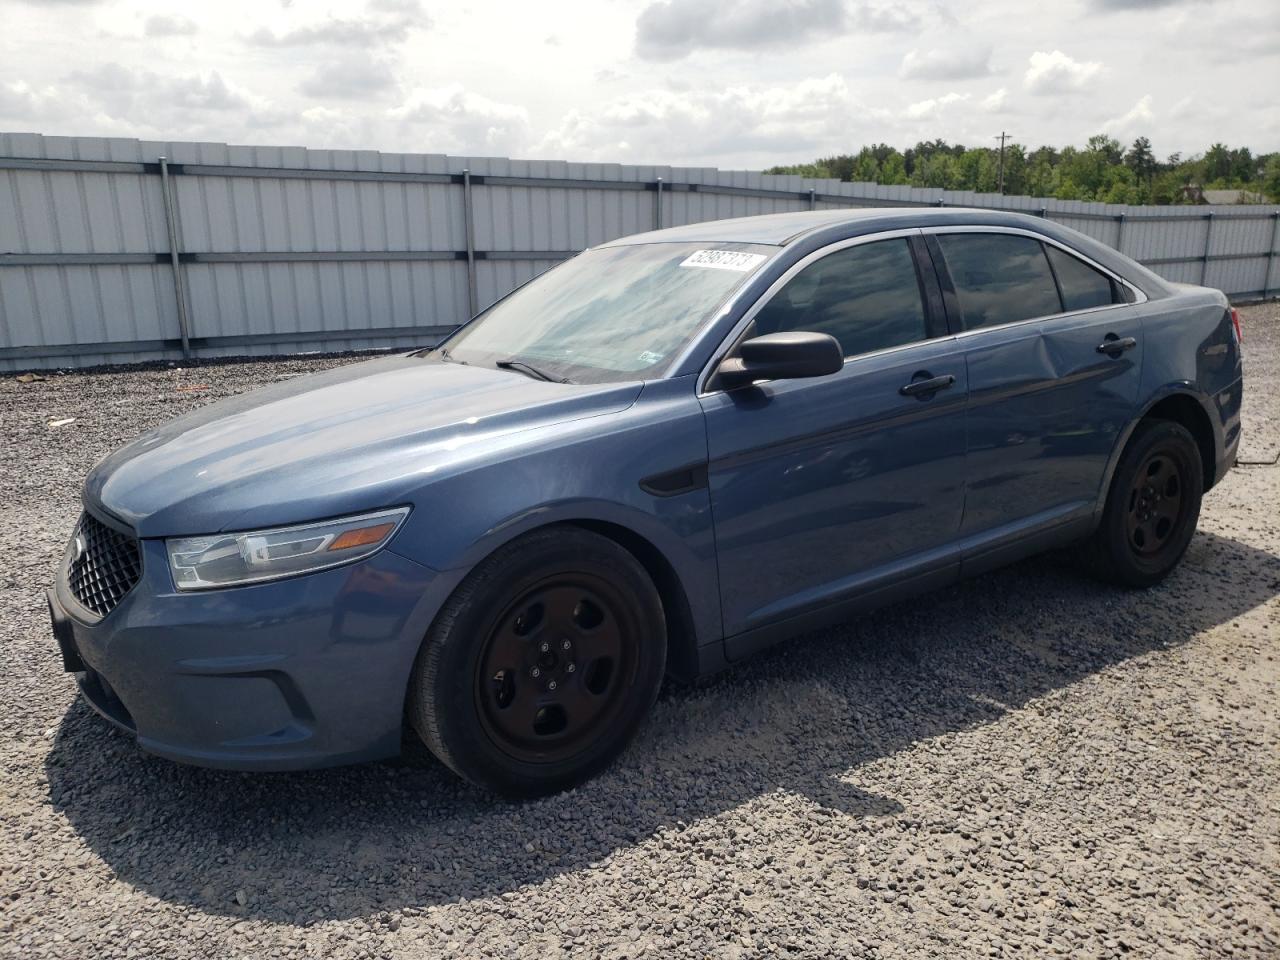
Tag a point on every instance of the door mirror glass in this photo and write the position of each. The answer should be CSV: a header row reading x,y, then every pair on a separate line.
x,y
781,356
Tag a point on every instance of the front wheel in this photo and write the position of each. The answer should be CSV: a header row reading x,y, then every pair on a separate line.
x,y
541,665
1152,507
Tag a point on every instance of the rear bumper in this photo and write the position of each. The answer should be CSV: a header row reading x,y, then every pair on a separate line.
x,y
299,673
1229,403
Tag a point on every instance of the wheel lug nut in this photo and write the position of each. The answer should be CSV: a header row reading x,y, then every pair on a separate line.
x,y
535,673
566,645
544,646
569,668
551,684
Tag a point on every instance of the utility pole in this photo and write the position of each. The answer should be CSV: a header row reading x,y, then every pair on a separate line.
x,y
1002,138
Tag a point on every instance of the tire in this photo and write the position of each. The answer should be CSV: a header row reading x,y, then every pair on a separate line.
x,y
541,666
1152,507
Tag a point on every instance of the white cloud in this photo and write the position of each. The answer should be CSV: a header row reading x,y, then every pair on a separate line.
x,y
349,78
161,25
1139,119
960,62
122,90
1050,73
455,119
390,23
802,119
995,102
324,74
1135,4
672,29
20,101
934,107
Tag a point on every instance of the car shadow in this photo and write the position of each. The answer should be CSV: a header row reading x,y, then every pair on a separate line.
x,y
802,719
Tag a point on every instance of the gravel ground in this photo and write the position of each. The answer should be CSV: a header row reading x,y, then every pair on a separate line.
x,y
1026,764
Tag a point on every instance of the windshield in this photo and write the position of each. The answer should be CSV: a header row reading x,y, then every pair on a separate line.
x,y
613,313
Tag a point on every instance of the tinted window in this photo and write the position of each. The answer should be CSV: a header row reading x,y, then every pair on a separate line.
x,y
1081,285
866,296
999,278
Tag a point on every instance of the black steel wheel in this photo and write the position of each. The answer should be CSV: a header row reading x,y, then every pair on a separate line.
x,y
542,664
556,667
1155,507
1152,507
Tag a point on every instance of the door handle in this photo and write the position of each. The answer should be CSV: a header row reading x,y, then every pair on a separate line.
x,y
1113,346
926,387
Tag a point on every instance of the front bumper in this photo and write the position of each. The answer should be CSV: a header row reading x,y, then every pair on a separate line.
x,y
298,673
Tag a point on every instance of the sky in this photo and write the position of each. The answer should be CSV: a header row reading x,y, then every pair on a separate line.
x,y
738,84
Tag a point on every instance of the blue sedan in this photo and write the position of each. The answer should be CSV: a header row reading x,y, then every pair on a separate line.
x,y
664,454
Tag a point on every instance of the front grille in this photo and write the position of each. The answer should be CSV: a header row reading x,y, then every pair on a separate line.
x,y
103,567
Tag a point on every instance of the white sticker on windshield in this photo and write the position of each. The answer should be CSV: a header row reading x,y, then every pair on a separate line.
x,y
723,260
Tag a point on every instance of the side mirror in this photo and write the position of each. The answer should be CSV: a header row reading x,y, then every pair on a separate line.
x,y
781,356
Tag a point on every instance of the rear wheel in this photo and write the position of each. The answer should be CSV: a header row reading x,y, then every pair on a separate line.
x,y
542,664
1152,507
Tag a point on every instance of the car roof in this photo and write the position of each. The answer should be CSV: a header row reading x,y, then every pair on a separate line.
x,y
779,229
811,229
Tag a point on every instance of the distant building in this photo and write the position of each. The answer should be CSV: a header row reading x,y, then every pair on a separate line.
x,y
1194,193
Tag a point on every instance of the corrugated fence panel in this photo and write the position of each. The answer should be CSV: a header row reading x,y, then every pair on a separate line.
x,y
286,249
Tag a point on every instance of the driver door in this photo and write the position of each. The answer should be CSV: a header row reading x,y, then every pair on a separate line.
x,y
827,489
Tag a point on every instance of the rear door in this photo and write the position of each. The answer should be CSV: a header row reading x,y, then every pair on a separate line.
x,y
823,488
1053,354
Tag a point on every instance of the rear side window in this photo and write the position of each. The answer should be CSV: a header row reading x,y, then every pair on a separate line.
x,y
866,296
999,278
1081,285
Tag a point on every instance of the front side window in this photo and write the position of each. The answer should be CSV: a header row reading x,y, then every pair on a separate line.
x,y
612,313
866,296
1082,286
999,277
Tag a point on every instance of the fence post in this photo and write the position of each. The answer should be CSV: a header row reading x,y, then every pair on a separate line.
x,y
1271,254
657,207
813,199
1208,243
1120,233
468,219
179,282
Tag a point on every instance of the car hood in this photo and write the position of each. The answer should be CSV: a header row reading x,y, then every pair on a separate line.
x,y
359,437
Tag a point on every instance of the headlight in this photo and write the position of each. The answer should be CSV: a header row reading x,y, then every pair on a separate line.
x,y
231,559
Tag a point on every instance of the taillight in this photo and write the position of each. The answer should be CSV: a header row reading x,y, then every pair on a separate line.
x,y
1235,322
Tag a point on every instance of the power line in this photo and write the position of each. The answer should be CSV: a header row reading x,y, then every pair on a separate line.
x,y
1002,138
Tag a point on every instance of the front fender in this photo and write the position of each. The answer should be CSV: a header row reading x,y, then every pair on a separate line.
x,y
584,472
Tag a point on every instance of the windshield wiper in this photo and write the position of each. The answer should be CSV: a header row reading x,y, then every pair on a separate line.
x,y
529,370
444,354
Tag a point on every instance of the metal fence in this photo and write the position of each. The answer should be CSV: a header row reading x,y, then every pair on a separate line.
x,y
115,250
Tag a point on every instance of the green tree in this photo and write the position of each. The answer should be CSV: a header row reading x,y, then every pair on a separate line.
x,y
968,167
1015,170
1042,178
893,172
1217,164
1244,169
1067,190
1106,148
936,171
1271,177
841,166
1120,186
865,167
1101,170
814,170
1140,159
